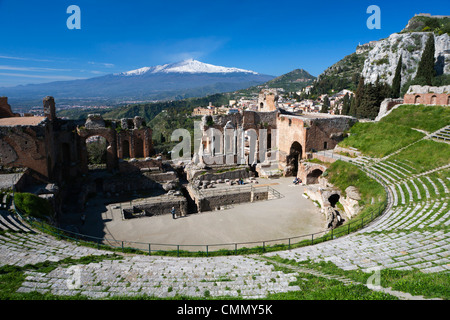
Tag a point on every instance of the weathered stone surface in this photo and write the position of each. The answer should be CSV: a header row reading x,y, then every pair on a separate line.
x,y
383,58
94,121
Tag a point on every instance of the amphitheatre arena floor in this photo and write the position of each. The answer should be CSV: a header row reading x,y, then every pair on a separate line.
x,y
289,216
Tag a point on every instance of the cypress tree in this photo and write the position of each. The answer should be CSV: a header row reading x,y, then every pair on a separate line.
x,y
359,96
425,69
345,105
396,82
325,105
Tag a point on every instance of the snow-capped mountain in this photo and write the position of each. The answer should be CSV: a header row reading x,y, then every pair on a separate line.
x,y
188,78
186,66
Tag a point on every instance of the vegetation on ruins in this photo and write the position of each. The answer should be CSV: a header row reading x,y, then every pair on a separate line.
x,y
428,118
97,151
344,174
425,155
32,205
397,129
380,138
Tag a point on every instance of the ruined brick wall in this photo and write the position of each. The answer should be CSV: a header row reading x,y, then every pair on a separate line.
x,y
111,152
25,146
427,98
134,143
326,133
290,129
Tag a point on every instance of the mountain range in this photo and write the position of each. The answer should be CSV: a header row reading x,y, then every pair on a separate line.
x,y
188,78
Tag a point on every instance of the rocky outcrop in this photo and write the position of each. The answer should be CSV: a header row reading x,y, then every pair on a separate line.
x,y
351,201
383,58
334,218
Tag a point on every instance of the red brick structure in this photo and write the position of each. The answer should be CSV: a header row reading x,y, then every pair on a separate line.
x,y
296,135
427,95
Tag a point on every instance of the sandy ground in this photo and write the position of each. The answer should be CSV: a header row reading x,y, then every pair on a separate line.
x,y
290,216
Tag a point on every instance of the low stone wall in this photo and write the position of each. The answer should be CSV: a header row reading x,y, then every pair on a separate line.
x,y
158,206
216,199
323,158
209,175
147,165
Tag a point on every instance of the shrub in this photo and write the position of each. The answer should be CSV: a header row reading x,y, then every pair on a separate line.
x,y
32,205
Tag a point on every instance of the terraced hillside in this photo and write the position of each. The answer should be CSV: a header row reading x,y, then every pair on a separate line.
x,y
407,249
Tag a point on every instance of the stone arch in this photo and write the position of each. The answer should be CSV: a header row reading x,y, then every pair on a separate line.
x,y
417,99
333,199
295,155
313,176
433,99
96,147
111,148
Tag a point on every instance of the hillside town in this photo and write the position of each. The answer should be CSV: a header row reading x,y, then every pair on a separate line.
x,y
270,99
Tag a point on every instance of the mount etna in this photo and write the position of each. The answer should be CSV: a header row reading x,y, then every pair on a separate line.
x,y
188,78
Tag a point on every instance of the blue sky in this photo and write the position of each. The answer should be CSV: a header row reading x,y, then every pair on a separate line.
x,y
270,37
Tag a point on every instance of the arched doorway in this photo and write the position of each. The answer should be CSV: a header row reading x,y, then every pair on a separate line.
x,y
96,150
417,99
333,199
125,149
433,99
295,155
138,148
313,176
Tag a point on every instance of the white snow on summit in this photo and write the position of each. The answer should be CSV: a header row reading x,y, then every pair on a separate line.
x,y
136,72
186,66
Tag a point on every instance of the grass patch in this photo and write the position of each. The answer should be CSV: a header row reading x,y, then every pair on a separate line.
x,y
415,282
425,155
428,118
12,277
378,139
32,205
344,174
319,288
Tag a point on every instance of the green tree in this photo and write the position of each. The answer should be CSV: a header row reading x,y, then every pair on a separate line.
x,y
425,68
345,105
97,151
359,95
396,82
325,105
